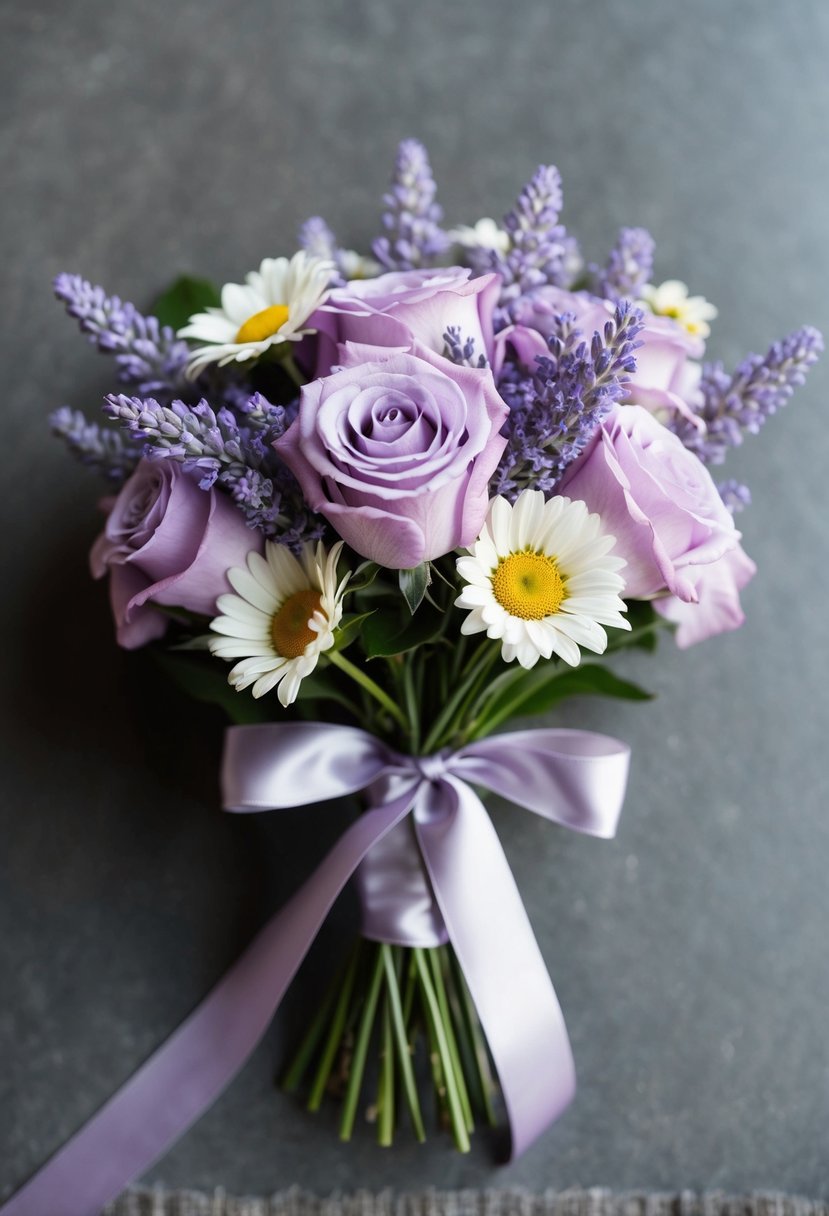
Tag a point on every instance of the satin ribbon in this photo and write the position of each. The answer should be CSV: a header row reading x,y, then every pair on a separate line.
x,y
570,777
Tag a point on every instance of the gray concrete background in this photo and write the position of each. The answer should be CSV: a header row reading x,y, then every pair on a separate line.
x,y
690,954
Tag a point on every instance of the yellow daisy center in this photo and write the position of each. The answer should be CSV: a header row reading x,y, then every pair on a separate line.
x,y
528,585
263,324
290,632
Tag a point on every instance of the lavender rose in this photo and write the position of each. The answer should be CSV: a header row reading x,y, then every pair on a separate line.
x,y
667,375
397,309
670,524
166,541
397,452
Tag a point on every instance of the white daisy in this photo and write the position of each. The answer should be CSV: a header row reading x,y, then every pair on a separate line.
x,y
354,265
284,617
485,234
541,578
671,299
271,306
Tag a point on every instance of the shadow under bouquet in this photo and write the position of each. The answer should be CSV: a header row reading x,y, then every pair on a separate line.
x,y
377,508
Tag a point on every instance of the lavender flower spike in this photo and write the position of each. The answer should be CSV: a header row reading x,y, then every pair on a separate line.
x,y
412,217
540,251
629,266
102,449
148,355
239,456
735,495
739,404
554,412
317,239
461,350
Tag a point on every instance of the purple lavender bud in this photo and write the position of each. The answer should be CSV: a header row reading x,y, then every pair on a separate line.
x,y
317,239
538,243
461,350
148,355
735,496
412,217
102,449
629,265
739,404
555,410
237,455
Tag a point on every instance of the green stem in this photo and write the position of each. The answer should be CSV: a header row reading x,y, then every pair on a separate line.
x,y
479,1047
458,657
288,363
438,1079
358,1061
485,725
482,659
419,676
298,1066
451,1042
525,683
472,697
370,687
409,991
478,711
385,1094
335,1034
466,1047
398,1025
411,702
456,1114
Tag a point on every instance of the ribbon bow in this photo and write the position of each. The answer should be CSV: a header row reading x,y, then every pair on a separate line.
x,y
575,778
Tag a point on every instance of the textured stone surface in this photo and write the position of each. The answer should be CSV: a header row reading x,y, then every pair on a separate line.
x,y
690,954
156,1202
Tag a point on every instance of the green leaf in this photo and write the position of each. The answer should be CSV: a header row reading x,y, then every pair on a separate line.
x,y
183,299
542,688
384,634
645,627
350,628
363,577
588,680
205,680
322,685
413,584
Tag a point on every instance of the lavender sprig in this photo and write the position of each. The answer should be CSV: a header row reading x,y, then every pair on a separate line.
x,y
237,456
737,404
412,217
196,436
540,250
148,355
735,495
102,449
555,411
629,266
461,350
317,239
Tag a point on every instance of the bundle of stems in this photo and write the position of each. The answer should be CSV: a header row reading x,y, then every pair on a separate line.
x,y
410,1004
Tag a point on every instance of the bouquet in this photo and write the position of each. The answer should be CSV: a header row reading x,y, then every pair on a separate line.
x,y
377,509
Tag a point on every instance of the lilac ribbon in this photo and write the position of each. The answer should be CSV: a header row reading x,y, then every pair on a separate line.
x,y
570,777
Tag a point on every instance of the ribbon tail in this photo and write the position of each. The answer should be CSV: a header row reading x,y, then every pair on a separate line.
x,y
503,966
180,1081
